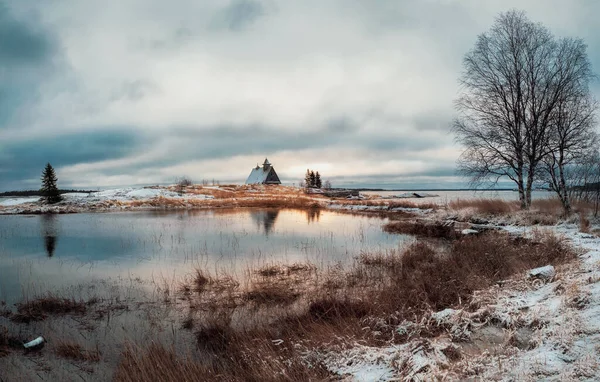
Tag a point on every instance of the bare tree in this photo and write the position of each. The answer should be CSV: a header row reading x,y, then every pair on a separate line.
x,y
572,143
513,81
583,180
182,183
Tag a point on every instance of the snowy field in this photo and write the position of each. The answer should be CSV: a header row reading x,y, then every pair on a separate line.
x,y
120,194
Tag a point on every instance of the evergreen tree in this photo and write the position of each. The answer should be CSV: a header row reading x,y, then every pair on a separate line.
x,y
49,190
307,183
318,180
313,179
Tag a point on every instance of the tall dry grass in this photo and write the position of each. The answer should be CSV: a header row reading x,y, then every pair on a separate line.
x,y
485,206
252,332
422,229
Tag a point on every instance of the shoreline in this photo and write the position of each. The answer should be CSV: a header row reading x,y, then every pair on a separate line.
x,y
437,307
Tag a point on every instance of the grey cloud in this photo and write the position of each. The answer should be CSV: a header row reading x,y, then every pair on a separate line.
x,y
24,160
27,54
198,41
239,15
134,90
22,43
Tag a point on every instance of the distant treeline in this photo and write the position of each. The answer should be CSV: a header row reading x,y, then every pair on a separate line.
x,y
588,187
37,192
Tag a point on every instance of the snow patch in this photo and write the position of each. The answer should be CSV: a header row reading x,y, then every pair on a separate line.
x,y
17,201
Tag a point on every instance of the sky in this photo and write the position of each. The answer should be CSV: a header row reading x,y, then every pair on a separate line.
x,y
137,92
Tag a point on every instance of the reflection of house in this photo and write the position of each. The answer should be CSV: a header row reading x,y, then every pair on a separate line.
x,y
263,175
264,219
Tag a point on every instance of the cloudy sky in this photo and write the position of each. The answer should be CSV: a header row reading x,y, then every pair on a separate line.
x,y
137,92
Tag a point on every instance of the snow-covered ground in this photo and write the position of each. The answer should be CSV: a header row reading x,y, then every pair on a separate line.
x,y
544,332
6,202
81,201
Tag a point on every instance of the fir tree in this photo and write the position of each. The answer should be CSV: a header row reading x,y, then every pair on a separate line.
x,y
318,180
312,179
307,183
49,190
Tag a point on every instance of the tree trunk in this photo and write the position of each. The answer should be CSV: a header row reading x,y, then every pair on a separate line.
x,y
528,186
563,193
521,187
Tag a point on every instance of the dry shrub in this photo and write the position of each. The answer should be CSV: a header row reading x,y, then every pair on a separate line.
x,y
76,352
333,309
215,337
486,206
201,281
412,204
418,228
269,293
40,308
551,206
584,223
424,280
270,270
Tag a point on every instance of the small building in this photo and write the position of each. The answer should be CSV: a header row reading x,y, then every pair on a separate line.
x,y
263,175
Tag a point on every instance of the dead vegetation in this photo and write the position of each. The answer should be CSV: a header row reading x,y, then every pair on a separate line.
x,y
74,351
263,361
547,211
40,308
8,342
419,228
336,304
485,206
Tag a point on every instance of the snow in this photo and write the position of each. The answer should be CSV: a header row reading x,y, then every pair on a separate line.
x,y
546,272
16,201
78,201
258,175
408,195
364,207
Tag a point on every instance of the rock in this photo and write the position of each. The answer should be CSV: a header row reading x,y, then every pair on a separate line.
x,y
545,273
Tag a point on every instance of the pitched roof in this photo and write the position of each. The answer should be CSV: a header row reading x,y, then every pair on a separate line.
x,y
257,176
263,175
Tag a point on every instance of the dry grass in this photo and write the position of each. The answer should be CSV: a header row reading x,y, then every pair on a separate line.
x,y
337,304
584,223
8,342
388,204
260,201
268,293
423,229
423,279
39,308
262,362
485,206
74,351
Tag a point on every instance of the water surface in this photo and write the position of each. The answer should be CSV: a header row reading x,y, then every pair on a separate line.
x,y
45,252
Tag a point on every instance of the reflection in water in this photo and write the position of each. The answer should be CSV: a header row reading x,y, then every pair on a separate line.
x,y
145,245
313,215
265,219
49,232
